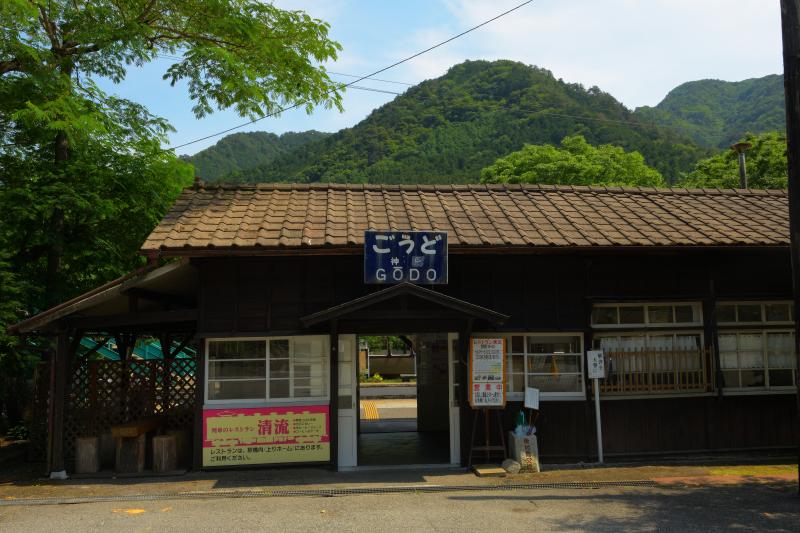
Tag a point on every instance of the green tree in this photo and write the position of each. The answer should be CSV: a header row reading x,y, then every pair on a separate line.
x,y
575,162
83,175
766,165
241,54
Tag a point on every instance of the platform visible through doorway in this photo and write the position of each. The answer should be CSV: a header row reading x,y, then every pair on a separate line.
x,y
400,422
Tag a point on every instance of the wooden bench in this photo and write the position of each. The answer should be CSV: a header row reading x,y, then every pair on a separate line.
x,y
407,377
131,449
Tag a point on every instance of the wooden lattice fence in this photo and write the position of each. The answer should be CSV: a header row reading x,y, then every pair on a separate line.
x,y
106,393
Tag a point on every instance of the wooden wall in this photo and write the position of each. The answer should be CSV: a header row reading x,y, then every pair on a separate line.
x,y
540,292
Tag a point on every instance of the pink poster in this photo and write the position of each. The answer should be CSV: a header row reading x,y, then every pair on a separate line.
x,y
266,435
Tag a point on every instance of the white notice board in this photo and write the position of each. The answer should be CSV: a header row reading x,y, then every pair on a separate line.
x,y
487,372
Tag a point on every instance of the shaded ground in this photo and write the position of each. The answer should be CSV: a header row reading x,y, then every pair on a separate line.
x,y
746,507
25,480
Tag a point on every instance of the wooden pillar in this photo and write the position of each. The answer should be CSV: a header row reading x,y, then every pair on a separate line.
x,y
790,26
465,411
334,393
200,398
58,398
710,331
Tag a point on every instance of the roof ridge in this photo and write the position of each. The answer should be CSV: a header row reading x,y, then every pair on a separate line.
x,y
541,187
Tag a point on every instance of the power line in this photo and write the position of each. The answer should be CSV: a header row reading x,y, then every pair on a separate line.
x,y
362,78
371,78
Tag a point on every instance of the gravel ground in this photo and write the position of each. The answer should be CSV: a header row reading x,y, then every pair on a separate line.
x,y
746,507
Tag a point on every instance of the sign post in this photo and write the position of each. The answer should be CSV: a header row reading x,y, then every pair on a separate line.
x,y
487,378
597,371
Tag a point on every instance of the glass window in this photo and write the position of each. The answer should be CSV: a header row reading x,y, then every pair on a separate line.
x,y
631,314
646,315
726,313
653,362
268,369
755,313
757,359
748,313
777,312
605,315
236,370
661,314
551,363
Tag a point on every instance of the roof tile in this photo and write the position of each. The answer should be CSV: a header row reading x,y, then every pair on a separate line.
x,y
302,215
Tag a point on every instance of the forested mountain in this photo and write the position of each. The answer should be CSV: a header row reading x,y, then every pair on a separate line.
x,y
716,113
244,151
447,129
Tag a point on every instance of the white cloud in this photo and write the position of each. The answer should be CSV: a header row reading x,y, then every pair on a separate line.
x,y
636,50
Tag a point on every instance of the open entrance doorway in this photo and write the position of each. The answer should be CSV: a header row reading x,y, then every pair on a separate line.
x,y
405,393
404,399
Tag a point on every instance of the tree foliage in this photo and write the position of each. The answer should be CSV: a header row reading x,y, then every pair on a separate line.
x,y
765,162
83,175
575,162
715,113
447,129
237,153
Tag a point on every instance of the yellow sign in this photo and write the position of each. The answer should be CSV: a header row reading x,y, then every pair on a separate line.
x,y
266,435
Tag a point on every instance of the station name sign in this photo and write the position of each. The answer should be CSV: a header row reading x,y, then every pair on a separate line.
x,y
418,257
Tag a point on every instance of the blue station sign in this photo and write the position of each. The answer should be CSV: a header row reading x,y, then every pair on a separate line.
x,y
405,256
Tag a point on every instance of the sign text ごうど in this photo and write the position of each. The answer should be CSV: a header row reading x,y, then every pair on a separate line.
x,y
418,257
266,435
487,371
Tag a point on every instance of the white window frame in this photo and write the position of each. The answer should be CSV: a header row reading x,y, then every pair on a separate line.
x,y
763,321
265,402
764,357
646,324
552,396
649,333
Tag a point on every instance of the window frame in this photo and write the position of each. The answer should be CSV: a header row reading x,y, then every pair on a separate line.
x,y
265,401
763,332
518,396
649,333
763,322
698,307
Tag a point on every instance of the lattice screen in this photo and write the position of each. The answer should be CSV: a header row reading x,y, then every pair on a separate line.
x,y
105,393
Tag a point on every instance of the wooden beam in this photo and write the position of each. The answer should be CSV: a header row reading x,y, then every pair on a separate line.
x,y
161,298
154,318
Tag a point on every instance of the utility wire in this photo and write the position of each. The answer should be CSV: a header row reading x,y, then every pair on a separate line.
x,y
362,78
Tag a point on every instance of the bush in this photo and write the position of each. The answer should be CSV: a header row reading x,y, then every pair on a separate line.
x,y
18,432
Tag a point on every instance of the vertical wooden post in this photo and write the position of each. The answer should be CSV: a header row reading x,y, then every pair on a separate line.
x,y
199,400
334,394
58,401
790,24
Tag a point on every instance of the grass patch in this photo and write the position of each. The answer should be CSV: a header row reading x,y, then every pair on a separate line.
x,y
754,470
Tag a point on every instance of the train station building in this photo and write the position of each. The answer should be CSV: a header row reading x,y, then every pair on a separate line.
x,y
259,296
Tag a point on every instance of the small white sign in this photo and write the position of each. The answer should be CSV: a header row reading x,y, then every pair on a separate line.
x,y
487,365
595,364
531,398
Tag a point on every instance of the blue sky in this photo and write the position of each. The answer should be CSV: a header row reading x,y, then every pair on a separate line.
x,y
637,50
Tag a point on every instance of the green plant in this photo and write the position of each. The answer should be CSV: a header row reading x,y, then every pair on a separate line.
x,y
18,432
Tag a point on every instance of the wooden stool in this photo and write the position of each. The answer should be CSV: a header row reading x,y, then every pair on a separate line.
x,y
132,444
87,455
165,456
181,446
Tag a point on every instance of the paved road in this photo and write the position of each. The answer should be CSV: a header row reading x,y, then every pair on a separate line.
x,y
746,508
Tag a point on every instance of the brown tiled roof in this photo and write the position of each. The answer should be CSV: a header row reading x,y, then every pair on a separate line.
x,y
267,217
